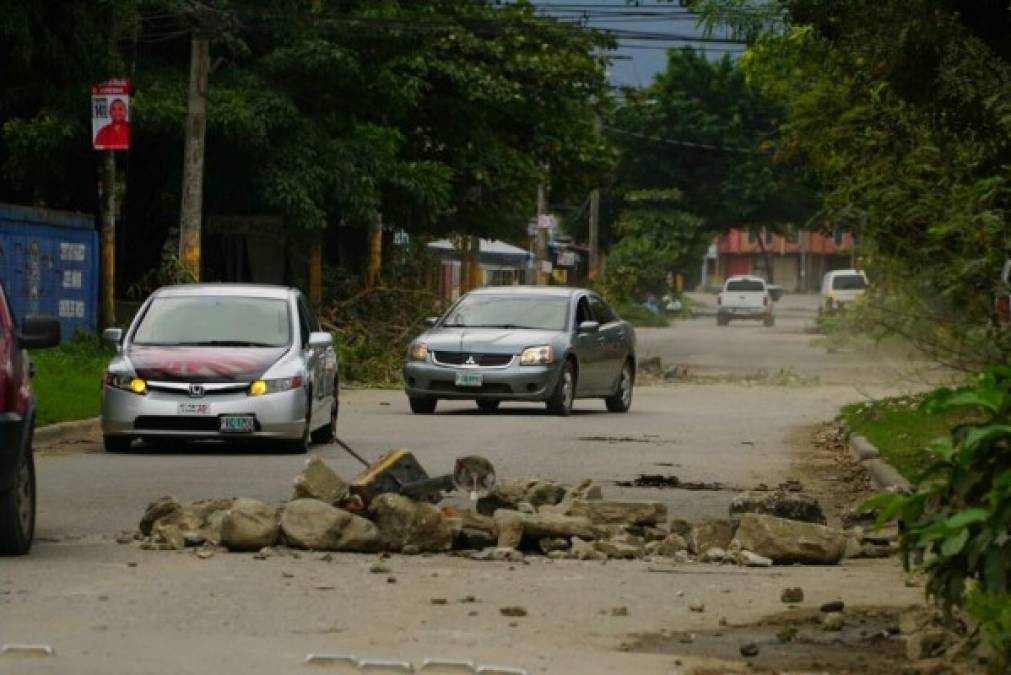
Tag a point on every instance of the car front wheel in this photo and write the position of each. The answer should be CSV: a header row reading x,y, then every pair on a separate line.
x,y
423,405
621,400
17,509
561,400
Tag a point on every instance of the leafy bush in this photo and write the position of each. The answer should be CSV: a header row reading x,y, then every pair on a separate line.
x,y
637,315
958,520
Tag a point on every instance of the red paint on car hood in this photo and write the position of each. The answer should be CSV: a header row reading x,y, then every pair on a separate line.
x,y
203,364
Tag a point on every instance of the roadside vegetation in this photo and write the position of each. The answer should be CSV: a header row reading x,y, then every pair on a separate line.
x,y
68,379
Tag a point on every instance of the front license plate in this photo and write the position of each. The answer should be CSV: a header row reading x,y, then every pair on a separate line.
x,y
469,379
237,424
193,409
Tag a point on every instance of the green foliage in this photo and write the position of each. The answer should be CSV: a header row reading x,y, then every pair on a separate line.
x,y
958,519
637,315
992,611
68,379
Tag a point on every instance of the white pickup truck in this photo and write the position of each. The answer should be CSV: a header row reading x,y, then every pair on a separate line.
x,y
744,297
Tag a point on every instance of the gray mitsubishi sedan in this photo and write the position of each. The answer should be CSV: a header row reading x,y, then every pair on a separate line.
x,y
518,343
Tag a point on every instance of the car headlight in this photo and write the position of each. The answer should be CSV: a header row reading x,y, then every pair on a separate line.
x,y
126,382
419,352
536,356
263,387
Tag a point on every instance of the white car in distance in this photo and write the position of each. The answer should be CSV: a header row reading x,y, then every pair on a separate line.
x,y
745,297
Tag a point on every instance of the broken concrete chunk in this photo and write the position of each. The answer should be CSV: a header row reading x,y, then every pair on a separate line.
x,y
545,493
403,522
318,526
790,541
749,559
249,526
713,555
159,508
680,526
472,538
792,595
510,528
620,512
169,534
585,550
506,494
670,545
549,544
319,481
791,505
711,534
614,549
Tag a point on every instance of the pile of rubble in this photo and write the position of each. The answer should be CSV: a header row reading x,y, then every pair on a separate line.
x,y
515,519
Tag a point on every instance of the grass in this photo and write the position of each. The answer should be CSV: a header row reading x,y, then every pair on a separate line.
x,y
901,430
640,316
68,380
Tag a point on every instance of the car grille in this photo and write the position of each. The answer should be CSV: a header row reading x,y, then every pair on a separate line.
x,y
461,358
175,423
488,388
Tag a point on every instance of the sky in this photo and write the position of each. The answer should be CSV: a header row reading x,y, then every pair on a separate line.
x,y
646,29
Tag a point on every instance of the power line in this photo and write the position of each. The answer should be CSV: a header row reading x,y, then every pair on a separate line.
x,y
685,144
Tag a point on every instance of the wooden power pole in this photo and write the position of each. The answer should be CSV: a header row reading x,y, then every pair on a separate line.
x,y
542,234
108,238
375,251
190,213
594,235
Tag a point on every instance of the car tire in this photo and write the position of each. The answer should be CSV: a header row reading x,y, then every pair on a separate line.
x,y
17,508
327,433
561,400
423,405
488,405
117,443
298,446
722,320
770,321
621,401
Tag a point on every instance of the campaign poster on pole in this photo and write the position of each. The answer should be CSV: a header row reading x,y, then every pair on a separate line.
x,y
110,115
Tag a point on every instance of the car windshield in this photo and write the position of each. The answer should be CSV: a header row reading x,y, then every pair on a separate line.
x,y
509,311
746,285
849,282
216,321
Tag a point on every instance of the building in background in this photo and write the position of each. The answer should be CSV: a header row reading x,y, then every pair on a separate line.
x,y
502,264
799,260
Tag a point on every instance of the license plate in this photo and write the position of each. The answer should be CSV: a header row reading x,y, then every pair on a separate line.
x,y
193,409
237,424
469,379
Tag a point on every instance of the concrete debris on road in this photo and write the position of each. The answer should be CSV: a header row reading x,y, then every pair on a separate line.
x,y
517,518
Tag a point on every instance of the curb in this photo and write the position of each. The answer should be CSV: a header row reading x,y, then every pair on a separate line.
x,y
53,433
884,475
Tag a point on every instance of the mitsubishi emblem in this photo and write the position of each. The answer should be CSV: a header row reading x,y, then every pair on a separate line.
x,y
470,361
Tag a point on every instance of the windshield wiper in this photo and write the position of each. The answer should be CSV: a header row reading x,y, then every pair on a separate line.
x,y
453,325
505,325
226,343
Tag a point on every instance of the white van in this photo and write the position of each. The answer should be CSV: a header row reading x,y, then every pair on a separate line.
x,y
840,287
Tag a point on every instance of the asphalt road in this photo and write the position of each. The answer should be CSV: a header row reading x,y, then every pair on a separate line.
x,y
170,612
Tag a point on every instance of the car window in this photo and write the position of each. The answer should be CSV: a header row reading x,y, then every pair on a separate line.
x,y
746,285
583,311
601,311
304,322
215,321
849,282
485,310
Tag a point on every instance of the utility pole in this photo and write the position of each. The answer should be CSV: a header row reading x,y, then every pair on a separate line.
x,y
542,233
108,238
191,210
594,234
316,271
375,251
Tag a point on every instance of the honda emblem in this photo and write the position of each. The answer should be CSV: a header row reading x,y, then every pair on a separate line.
x,y
196,391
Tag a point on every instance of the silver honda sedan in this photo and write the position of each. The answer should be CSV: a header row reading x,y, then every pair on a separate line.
x,y
237,362
518,343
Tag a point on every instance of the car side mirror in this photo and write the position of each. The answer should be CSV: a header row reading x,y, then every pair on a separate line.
x,y
320,339
431,321
38,332
113,336
1005,273
588,327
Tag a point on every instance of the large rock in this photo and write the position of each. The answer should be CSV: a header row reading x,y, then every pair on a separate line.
x,y
316,525
791,505
545,493
509,525
711,534
507,494
319,481
618,512
249,526
156,510
669,546
514,526
404,522
789,541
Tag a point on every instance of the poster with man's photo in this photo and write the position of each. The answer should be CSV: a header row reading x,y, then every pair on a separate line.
x,y
110,115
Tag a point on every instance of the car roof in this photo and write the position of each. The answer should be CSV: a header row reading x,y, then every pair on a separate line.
x,y
549,291
235,290
745,277
839,273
